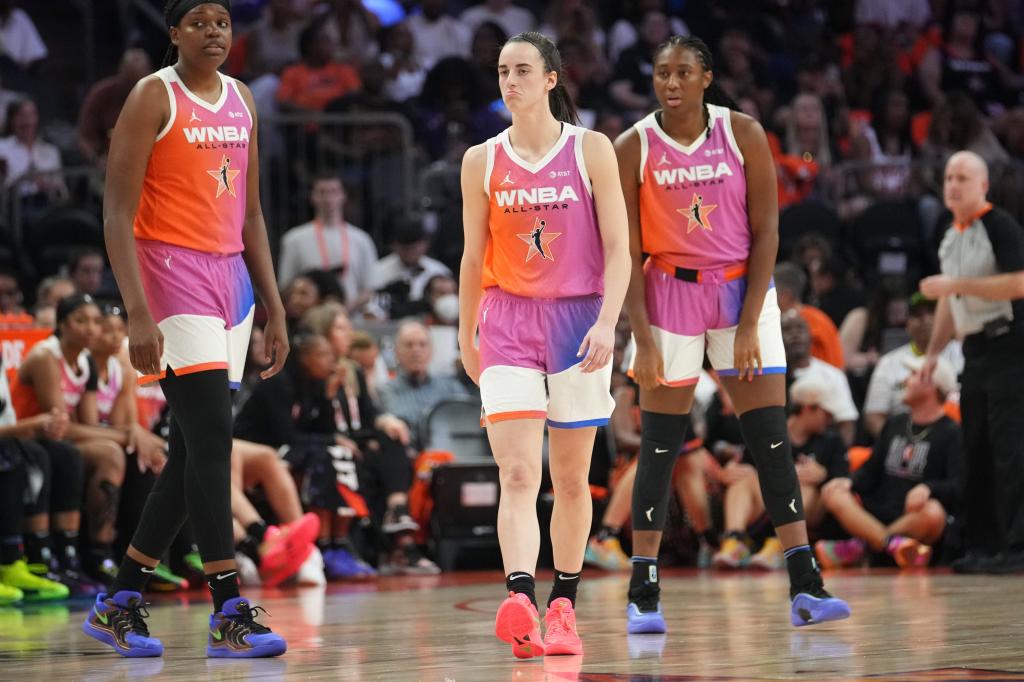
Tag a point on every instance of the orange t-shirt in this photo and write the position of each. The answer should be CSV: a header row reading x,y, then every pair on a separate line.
x,y
825,343
314,88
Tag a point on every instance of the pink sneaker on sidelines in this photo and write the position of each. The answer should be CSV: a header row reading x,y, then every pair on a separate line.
x,y
286,547
560,638
518,623
908,552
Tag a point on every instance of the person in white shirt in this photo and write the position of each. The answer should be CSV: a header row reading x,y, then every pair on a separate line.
x,y
885,390
401,277
438,35
30,162
19,39
797,339
513,20
331,244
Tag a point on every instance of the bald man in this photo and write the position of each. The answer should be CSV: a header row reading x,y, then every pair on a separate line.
x,y
981,298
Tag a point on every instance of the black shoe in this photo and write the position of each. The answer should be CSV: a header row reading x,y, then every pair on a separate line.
x,y
1006,564
976,563
646,597
397,520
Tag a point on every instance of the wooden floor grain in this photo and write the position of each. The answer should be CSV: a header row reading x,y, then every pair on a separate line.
x,y
923,626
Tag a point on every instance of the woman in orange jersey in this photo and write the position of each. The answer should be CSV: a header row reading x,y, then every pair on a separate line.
x,y
184,232
544,272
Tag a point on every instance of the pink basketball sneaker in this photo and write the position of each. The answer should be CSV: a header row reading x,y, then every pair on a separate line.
x,y
560,622
518,623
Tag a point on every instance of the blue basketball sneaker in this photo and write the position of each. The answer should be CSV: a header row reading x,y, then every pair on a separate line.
x,y
643,613
119,622
812,604
234,633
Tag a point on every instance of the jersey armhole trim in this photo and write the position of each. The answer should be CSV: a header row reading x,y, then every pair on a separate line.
x,y
173,104
238,92
726,115
489,168
581,162
642,133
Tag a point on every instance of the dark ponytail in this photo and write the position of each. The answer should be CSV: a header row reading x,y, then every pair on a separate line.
x,y
171,55
562,106
714,94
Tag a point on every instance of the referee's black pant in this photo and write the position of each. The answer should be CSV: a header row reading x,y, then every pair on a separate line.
x,y
992,407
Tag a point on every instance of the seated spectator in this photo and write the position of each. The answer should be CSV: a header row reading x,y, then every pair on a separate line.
x,y
274,40
330,243
835,291
103,102
30,162
319,77
631,81
11,297
488,39
575,18
298,296
414,391
513,20
365,352
960,64
868,331
819,454
907,487
85,269
405,73
352,29
21,47
797,338
806,131
48,293
885,141
885,390
912,13
438,34
791,285
400,278
625,31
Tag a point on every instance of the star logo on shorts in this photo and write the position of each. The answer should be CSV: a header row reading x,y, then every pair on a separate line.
x,y
225,177
539,241
697,214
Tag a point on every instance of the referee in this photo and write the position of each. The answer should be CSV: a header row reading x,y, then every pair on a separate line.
x,y
981,292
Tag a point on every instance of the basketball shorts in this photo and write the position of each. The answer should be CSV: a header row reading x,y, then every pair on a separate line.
x,y
203,304
691,318
528,363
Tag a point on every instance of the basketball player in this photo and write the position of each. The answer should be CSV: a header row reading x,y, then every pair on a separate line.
x,y
699,184
545,240
182,223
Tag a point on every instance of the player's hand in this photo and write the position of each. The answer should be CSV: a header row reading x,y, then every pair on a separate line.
x,y
597,347
917,497
746,351
470,356
145,343
648,365
937,286
275,345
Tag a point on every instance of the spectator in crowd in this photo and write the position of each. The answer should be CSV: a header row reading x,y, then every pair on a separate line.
x,y
414,391
103,102
30,162
630,87
401,277
438,34
908,486
958,124
301,294
353,31
319,77
405,72
11,297
485,47
791,286
273,43
626,30
441,299
575,18
885,141
868,331
885,391
959,63
806,131
21,47
85,270
365,352
833,290
912,13
513,20
797,338
330,243
48,293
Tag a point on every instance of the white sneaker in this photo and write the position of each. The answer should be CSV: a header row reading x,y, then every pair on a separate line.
x,y
248,573
311,572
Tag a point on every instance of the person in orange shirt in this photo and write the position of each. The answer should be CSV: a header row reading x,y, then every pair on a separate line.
x,y
790,283
317,79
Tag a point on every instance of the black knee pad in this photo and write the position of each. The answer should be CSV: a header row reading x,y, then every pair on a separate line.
x,y
662,440
38,478
67,475
767,438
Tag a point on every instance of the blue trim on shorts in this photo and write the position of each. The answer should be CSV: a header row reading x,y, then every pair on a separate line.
x,y
580,424
234,385
766,370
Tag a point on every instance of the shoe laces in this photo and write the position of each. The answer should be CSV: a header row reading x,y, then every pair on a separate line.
x,y
560,624
814,587
246,618
137,615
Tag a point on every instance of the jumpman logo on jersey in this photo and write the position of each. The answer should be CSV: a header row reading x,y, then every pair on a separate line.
x,y
508,180
697,214
225,177
539,241
663,161
194,117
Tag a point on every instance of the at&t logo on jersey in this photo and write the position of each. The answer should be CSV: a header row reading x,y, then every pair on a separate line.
x,y
217,137
535,198
703,174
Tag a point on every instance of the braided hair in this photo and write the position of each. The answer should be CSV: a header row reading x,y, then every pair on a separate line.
x,y
171,55
713,94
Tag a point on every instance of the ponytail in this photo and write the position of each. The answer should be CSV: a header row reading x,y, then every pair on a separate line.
x,y
170,56
713,94
562,106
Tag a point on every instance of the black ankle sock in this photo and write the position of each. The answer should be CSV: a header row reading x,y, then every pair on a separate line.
x,y
10,549
132,576
256,530
65,545
98,553
522,583
565,585
801,565
645,574
607,532
38,547
223,586
250,548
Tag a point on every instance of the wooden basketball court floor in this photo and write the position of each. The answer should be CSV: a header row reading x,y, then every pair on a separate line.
x,y
905,626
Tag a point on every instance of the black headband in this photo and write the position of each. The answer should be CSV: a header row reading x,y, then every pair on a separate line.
x,y
175,16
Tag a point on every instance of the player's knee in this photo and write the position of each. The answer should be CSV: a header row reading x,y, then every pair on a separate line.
x,y
575,487
519,477
935,513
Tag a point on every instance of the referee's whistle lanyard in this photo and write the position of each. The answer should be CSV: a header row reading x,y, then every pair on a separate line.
x,y
321,242
353,423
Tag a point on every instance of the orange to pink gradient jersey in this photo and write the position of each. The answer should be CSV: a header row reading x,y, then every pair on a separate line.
x,y
544,238
194,192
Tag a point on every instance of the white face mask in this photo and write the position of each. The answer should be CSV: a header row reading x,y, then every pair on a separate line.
x,y
446,308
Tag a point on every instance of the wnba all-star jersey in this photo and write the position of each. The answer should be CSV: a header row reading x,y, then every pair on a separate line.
x,y
693,199
544,240
194,191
